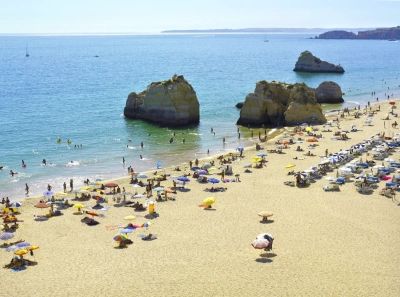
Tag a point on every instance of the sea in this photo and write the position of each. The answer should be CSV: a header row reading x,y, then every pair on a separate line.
x,y
74,87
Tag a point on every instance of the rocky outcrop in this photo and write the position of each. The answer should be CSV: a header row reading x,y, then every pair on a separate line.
x,y
338,34
275,103
239,105
168,103
328,92
380,33
309,63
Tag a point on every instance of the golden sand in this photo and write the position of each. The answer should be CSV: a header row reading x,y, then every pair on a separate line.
x,y
326,243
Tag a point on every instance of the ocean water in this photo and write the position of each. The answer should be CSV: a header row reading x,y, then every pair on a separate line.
x,y
63,90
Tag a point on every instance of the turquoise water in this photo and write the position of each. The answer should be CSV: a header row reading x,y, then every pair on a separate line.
x,y
62,90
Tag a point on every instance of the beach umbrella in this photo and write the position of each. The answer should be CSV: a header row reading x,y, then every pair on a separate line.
x,y
256,159
139,196
111,185
130,226
141,175
260,244
41,205
213,180
120,237
392,103
130,218
159,164
86,188
304,124
290,166
209,201
265,215
206,166
302,175
16,204
148,202
184,179
312,140
240,149
58,194
262,154
159,189
147,224
202,172
127,230
136,186
20,252
84,191
32,247
48,193
389,160
79,206
13,248
309,129
6,236
23,244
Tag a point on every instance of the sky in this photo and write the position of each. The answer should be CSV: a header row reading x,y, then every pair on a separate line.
x,y
154,16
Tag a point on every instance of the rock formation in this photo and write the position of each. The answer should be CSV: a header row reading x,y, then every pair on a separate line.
x,y
328,92
275,103
168,103
309,63
380,33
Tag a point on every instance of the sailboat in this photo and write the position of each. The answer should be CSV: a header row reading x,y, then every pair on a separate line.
x,y
265,38
26,55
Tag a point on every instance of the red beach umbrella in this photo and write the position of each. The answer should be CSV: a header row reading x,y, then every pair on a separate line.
x,y
111,185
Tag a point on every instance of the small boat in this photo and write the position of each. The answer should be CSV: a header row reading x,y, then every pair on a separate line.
x,y
392,39
26,55
265,38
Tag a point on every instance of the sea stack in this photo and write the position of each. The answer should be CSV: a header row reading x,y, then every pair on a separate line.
x,y
171,102
278,104
309,63
328,92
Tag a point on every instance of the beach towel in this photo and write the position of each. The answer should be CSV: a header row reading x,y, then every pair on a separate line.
x,y
18,269
110,227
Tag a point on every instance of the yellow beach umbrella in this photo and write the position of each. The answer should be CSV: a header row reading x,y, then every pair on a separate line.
x,y
78,205
209,201
256,159
130,218
33,247
308,129
86,188
290,166
20,252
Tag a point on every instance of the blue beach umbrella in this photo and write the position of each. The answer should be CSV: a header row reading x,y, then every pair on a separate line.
x,y
159,189
239,149
184,179
262,154
6,236
127,230
16,204
23,244
13,248
159,164
213,180
141,175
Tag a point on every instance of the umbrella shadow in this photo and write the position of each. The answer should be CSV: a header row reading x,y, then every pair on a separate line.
x,y
77,213
209,209
263,260
267,222
266,258
184,190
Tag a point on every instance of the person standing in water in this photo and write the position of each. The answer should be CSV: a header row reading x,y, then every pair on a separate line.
x,y
26,189
71,184
44,162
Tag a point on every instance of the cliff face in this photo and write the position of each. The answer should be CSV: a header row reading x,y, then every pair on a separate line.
x,y
169,103
328,92
275,103
309,63
380,33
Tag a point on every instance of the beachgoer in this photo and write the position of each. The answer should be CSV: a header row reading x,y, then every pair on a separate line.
x,y
44,162
65,187
223,140
71,184
48,187
196,162
26,189
190,163
183,140
141,144
23,163
208,152
222,175
123,160
141,157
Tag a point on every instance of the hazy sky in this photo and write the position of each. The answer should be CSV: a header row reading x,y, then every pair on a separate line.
x,y
80,16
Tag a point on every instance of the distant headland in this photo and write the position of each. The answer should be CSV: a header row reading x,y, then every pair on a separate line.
x,y
266,30
380,33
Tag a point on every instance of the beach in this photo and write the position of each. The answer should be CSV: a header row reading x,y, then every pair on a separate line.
x,y
336,243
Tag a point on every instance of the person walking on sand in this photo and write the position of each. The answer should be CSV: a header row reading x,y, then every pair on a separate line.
x,y
222,175
71,184
326,153
26,189
65,187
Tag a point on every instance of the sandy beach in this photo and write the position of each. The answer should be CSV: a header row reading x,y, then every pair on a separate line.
x,y
339,243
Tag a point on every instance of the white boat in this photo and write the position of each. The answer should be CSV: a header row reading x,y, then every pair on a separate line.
x,y
26,55
265,38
